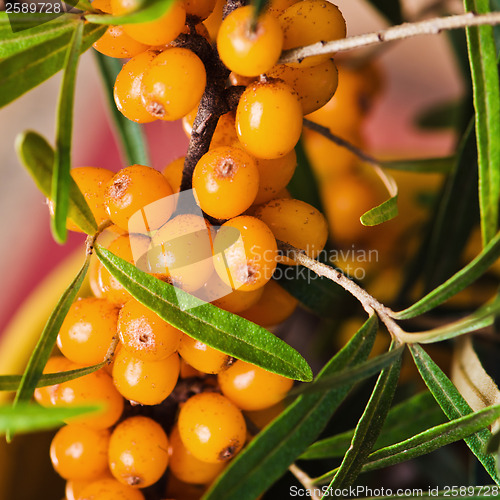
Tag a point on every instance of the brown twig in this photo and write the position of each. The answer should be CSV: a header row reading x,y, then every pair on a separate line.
x,y
304,480
406,30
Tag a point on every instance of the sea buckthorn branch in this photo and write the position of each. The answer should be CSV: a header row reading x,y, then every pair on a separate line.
x,y
370,304
91,238
400,32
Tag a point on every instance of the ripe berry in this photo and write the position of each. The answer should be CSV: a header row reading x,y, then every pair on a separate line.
x,y
200,9
297,223
135,189
158,32
144,334
88,330
138,452
78,452
202,357
224,134
186,467
173,83
173,173
127,89
211,427
246,261
308,22
109,489
55,364
249,46
314,85
269,119
145,382
252,388
181,252
274,307
225,182
234,301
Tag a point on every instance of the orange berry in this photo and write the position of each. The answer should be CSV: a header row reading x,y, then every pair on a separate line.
x,y
88,330
252,388
145,382
187,371
127,89
138,452
78,452
274,307
269,119
249,262
276,7
224,134
173,173
158,32
181,252
186,467
93,389
310,21
55,364
202,357
225,182
104,285
247,46
314,85
135,189
297,223
274,175
214,20
234,301
211,427
199,9
110,489
173,83
144,334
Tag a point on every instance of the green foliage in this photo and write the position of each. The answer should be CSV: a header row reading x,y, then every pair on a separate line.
x,y
381,213
207,323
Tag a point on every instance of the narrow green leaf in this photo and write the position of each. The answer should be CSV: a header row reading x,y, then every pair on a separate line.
x,y
132,138
268,455
403,421
207,323
30,418
494,443
432,439
13,42
38,157
456,283
422,166
351,375
486,90
29,68
11,382
303,185
483,317
442,116
47,340
260,6
381,213
147,10
64,130
453,405
368,428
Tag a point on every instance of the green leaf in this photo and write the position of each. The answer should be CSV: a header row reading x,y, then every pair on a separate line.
x,y
64,129
47,340
483,317
456,283
207,323
267,457
381,213
486,90
132,138
369,427
38,157
260,6
351,375
441,116
453,405
441,165
432,439
29,68
29,418
11,382
403,421
13,42
303,185
147,10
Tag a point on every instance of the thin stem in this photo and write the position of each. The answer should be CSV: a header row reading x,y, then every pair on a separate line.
x,y
369,303
91,238
304,480
406,30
